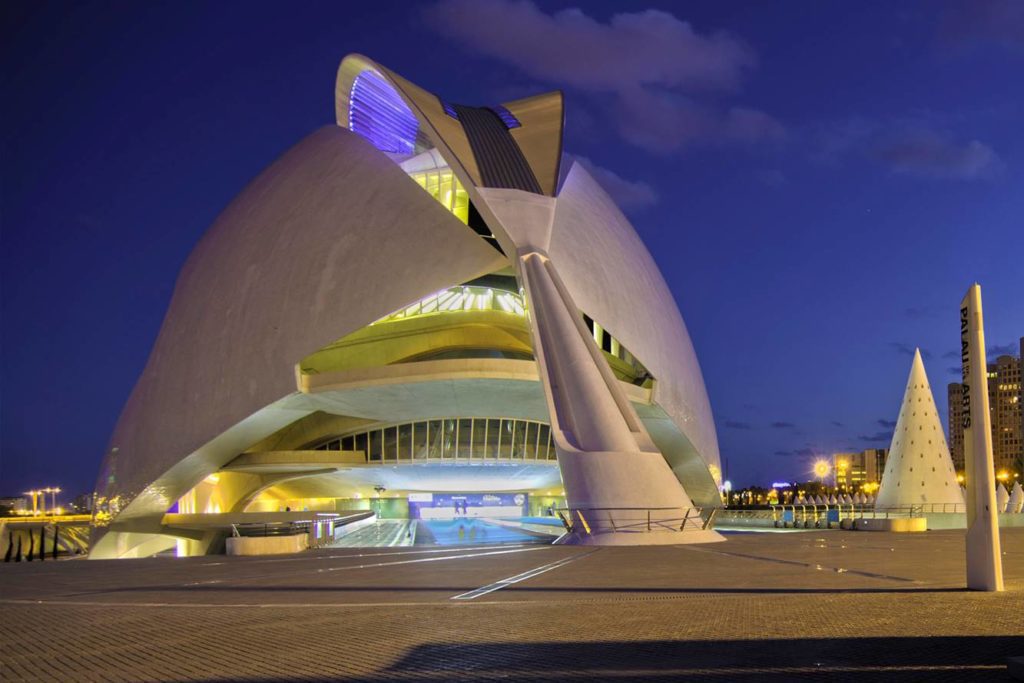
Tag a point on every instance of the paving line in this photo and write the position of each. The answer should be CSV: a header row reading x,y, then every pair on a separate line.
x,y
434,551
808,565
529,574
459,554
430,559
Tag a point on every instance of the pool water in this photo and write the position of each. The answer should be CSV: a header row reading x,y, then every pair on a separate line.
x,y
469,532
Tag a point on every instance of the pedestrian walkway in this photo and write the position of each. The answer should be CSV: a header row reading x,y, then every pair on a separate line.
x,y
760,607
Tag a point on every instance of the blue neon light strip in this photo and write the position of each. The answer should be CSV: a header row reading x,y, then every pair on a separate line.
x,y
507,117
378,113
450,110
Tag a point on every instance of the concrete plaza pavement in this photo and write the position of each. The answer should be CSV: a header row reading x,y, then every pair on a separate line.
x,y
813,605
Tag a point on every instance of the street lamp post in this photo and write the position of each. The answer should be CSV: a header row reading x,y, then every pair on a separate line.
x,y
35,501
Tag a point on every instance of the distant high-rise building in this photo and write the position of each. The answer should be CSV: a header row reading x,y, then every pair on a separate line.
x,y
854,470
1004,399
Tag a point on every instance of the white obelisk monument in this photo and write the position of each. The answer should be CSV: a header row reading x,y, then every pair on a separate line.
x,y
984,561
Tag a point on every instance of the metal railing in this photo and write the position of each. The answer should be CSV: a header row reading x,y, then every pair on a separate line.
x,y
320,531
820,516
634,520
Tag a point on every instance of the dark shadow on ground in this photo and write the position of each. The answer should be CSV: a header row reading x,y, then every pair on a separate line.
x,y
966,658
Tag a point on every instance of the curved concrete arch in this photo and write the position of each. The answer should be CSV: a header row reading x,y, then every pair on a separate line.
x,y
539,138
614,279
282,272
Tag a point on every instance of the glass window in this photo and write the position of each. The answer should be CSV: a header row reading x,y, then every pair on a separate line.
x,y
545,452
436,438
390,443
461,207
530,450
419,440
361,444
445,191
405,442
348,443
519,440
493,437
376,439
465,438
479,438
505,443
448,437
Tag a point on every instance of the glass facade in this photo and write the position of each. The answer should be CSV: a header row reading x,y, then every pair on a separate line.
x,y
627,367
463,298
443,186
449,439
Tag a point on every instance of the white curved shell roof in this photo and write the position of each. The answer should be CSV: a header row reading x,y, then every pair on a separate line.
x,y
331,237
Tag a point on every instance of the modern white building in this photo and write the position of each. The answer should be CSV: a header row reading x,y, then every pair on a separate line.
x,y
420,301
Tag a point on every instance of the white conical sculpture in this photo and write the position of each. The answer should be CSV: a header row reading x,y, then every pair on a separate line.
x,y
819,500
832,500
1002,498
918,469
847,500
1016,499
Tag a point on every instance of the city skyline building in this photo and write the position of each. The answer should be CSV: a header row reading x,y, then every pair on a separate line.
x,y
423,300
1005,396
854,471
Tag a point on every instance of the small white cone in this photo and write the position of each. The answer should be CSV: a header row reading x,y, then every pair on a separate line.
x,y
918,469
1016,503
1002,498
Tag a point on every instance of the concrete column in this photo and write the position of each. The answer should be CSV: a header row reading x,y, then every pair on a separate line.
x,y
984,562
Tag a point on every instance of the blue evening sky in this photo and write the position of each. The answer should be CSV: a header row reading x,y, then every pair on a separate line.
x,y
818,181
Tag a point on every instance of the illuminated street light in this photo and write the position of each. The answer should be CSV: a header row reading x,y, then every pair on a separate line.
x,y
35,501
821,470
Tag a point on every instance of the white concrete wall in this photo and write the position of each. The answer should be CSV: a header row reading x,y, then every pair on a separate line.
x,y
267,545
